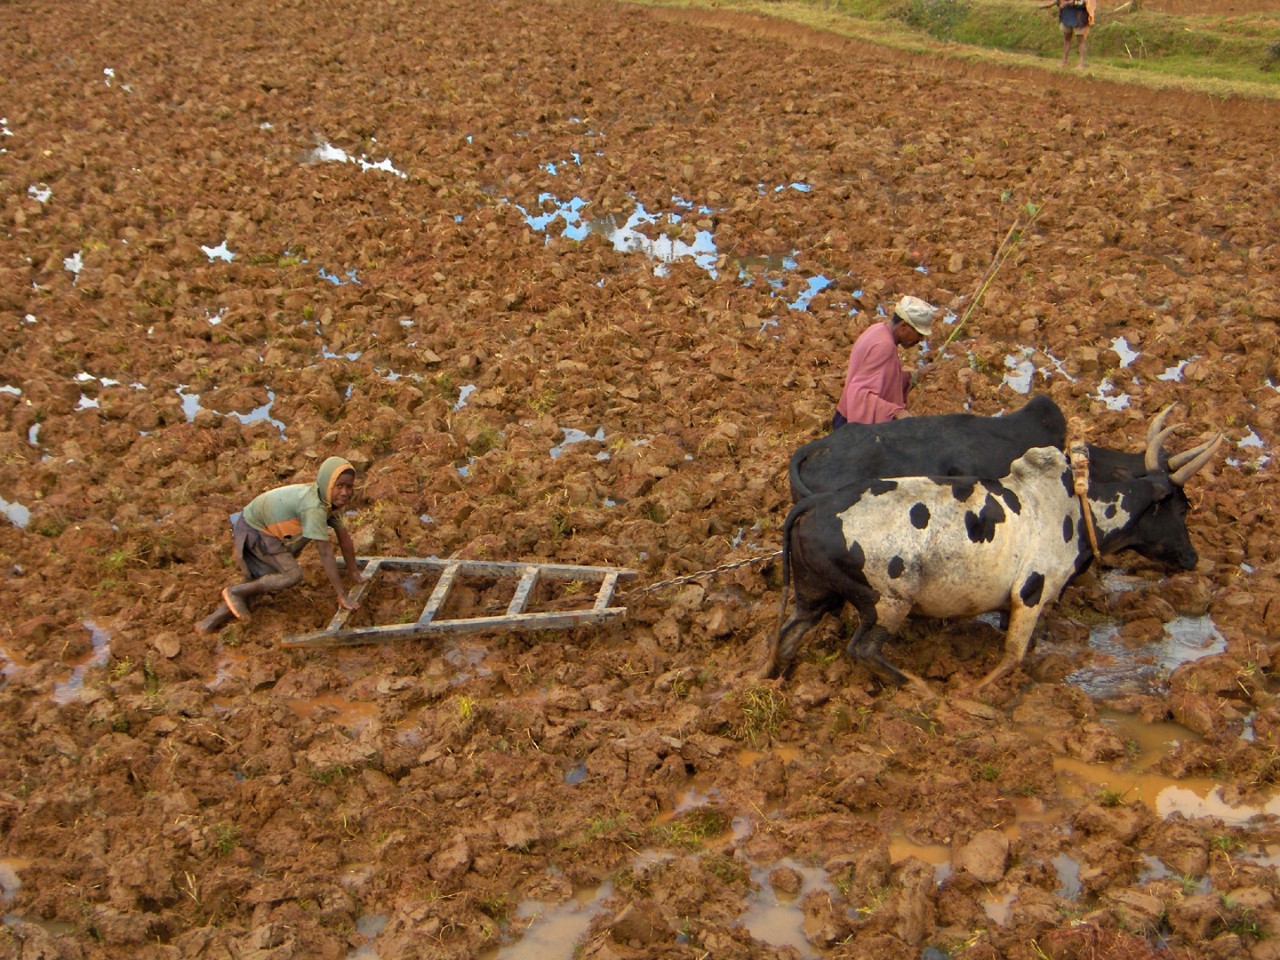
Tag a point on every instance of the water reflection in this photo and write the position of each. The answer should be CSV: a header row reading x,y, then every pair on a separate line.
x,y
572,436
775,917
191,406
1119,669
554,930
15,513
70,689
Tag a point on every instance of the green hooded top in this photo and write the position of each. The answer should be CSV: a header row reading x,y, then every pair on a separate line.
x,y
299,511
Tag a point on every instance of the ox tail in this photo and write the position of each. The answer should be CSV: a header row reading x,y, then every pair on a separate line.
x,y
799,489
792,516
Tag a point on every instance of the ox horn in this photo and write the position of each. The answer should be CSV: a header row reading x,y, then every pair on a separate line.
x,y
1157,424
1187,470
1177,460
1155,436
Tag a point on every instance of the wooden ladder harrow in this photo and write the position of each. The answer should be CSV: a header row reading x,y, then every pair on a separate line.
x,y
516,617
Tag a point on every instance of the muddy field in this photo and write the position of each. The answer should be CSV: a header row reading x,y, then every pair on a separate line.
x,y
568,282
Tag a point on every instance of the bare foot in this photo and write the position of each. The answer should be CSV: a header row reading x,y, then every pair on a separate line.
x,y
239,609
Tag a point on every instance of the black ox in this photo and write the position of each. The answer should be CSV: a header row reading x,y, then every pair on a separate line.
x,y
971,445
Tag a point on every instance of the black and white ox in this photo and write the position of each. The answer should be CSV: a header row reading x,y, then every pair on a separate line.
x,y
959,547
970,445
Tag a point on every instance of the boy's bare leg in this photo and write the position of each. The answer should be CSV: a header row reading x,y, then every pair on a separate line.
x,y
240,593
216,620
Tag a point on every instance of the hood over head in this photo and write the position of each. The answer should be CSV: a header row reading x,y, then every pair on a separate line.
x,y
330,470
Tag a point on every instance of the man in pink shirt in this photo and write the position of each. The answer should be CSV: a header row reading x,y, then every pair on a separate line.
x,y
876,384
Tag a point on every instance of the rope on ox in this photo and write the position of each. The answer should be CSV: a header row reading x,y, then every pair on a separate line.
x,y
1078,454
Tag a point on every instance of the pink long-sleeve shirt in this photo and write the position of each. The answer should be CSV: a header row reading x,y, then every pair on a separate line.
x,y
875,385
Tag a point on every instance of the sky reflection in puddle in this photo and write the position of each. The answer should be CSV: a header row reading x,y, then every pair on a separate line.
x,y
554,929
1119,669
71,688
572,436
191,406
15,513
775,917
327,153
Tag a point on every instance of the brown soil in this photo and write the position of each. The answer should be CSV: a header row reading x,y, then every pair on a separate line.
x,y
224,797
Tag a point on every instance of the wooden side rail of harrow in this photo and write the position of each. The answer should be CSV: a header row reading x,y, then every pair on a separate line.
x,y
337,634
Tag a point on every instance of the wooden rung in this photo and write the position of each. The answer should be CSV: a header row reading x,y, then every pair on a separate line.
x,y
523,590
607,586
439,594
370,571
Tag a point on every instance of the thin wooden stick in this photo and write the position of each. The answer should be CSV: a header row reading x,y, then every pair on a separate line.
x,y
1002,254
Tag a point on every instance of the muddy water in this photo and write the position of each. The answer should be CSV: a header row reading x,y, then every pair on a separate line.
x,y
553,931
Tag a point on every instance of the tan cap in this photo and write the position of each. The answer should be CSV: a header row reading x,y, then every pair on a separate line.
x,y
916,312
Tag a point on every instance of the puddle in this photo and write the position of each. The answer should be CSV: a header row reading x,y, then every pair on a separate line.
x,y
1191,797
571,219
1118,670
1119,402
191,406
1175,372
1251,441
814,286
15,513
327,153
9,880
1020,371
70,689
220,252
776,918
332,708
624,235
1122,350
999,908
554,929
1190,803
368,925
572,436
937,854
1067,868
466,390
466,661
338,281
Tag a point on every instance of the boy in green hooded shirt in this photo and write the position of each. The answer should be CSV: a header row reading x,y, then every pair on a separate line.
x,y
275,527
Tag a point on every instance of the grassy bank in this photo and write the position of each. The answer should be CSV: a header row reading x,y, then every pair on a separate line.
x,y
1213,53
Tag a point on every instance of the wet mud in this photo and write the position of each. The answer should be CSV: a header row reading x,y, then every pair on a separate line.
x,y
568,282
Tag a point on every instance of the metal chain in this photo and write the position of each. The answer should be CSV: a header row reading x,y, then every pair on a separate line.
x,y
687,578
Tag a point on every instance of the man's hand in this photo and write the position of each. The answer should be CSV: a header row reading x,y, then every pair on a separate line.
x,y
346,603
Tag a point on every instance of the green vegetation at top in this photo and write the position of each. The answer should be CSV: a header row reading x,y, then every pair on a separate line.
x,y
1215,53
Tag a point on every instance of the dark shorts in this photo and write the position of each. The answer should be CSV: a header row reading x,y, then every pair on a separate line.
x,y
838,420
258,553
1073,18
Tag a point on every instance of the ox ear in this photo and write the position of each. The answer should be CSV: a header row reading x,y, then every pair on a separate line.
x,y
1187,470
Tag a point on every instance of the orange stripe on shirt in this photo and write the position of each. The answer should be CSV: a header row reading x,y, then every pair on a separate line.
x,y
285,528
